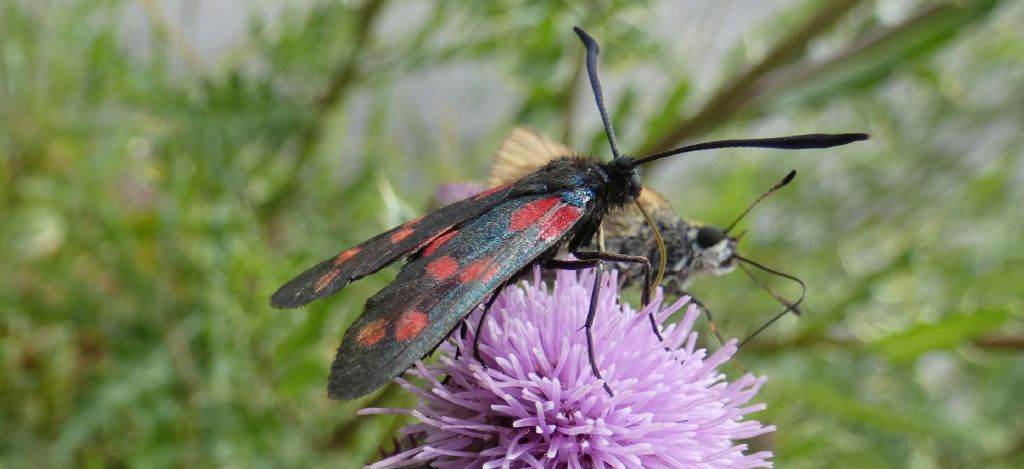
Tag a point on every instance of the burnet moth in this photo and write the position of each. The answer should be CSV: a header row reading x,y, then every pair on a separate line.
x,y
649,228
459,254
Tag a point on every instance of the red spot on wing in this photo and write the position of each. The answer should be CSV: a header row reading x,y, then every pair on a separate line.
x,y
437,243
490,191
372,333
481,270
528,214
410,324
346,255
442,267
401,234
556,224
325,280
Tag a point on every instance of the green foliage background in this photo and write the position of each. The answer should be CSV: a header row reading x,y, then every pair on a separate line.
x,y
149,203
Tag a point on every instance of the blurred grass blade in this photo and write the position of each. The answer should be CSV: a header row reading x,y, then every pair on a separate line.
x,y
905,420
945,334
777,81
736,93
875,56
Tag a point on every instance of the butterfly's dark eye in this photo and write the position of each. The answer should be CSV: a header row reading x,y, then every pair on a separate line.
x,y
708,236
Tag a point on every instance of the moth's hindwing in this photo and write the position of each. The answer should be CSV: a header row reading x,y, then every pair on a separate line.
x,y
522,152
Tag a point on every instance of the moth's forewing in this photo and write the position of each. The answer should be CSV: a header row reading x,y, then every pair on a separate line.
x,y
448,277
331,275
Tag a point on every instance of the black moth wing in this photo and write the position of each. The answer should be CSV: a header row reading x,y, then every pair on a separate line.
x,y
448,278
331,275
524,150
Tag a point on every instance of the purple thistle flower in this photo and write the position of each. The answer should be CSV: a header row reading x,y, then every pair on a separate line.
x,y
537,403
455,191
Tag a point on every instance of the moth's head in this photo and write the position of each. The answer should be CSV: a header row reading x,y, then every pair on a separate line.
x,y
623,180
714,251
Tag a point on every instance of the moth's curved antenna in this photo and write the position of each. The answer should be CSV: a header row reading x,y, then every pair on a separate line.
x,y
792,142
595,84
794,306
662,262
786,180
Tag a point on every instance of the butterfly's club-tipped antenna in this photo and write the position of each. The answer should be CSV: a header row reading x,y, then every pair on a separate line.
x,y
779,185
595,84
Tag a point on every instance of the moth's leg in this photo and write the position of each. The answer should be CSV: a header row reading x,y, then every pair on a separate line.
x,y
713,326
645,294
480,323
464,329
462,333
707,314
598,266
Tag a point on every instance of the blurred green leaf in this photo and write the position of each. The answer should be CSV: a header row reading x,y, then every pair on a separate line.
x,y
905,421
946,333
876,55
